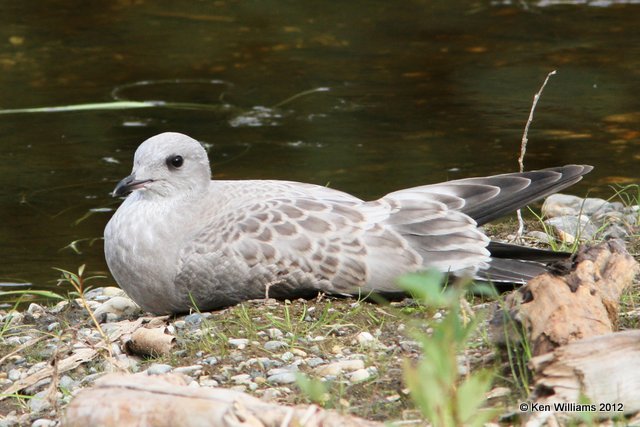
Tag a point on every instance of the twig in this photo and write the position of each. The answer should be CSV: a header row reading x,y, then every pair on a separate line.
x,y
523,147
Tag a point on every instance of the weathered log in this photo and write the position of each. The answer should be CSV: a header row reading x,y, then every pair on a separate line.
x,y
141,400
605,369
555,309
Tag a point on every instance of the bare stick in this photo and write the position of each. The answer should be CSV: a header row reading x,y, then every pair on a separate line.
x,y
523,146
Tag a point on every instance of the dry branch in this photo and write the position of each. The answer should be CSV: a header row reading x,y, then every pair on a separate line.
x,y
140,400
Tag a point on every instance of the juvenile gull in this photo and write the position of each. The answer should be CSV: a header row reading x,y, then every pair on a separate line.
x,y
181,240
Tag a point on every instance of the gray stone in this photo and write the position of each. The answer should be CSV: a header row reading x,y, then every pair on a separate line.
x,y
282,378
39,402
274,333
14,374
239,343
312,362
67,382
212,360
192,370
193,320
274,345
158,369
118,307
569,228
43,422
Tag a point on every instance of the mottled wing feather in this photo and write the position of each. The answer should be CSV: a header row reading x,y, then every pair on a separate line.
x,y
289,243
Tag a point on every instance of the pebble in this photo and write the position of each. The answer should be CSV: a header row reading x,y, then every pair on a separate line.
x,y
312,362
287,356
52,326
362,375
43,422
212,360
14,375
118,306
209,382
36,311
336,368
298,352
158,369
573,217
39,402
193,370
282,378
365,339
241,379
193,320
274,333
67,382
274,345
568,228
239,343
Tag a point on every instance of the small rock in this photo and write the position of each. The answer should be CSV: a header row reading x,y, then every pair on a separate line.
x,y
282,378
336,368
274,345
53,326
287,356
39,402
239,343
274,333
271,394
16,340
36,310
89,379
37,367
10,420
209,382
359,375
193,370
43,422
118,307
568,228
365,339
14,375
158,369
212,360
298,352
312,362
193,320
67,383
540,236
241,379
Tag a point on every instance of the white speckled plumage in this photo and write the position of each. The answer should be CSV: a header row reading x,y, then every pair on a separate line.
x,y
180,239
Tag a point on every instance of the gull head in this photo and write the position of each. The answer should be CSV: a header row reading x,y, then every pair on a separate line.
x,y
167,165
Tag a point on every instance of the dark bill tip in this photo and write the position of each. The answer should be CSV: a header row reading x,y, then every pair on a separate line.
x,y
129,184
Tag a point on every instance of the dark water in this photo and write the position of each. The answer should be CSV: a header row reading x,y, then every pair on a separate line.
x,y
419,91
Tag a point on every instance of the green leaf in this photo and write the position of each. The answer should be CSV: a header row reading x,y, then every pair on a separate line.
x,y
45,294
471,396
427,287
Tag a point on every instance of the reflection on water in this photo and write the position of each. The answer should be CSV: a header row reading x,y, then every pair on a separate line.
x,y
419,91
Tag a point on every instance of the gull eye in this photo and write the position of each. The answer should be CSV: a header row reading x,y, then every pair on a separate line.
x,y
174,162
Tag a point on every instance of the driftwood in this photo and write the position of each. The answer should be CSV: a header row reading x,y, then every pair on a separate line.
x,y
140,400
150,342
606,369
569,320
78,356
554,310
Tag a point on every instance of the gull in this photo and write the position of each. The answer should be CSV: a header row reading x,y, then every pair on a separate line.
x,y
181,241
